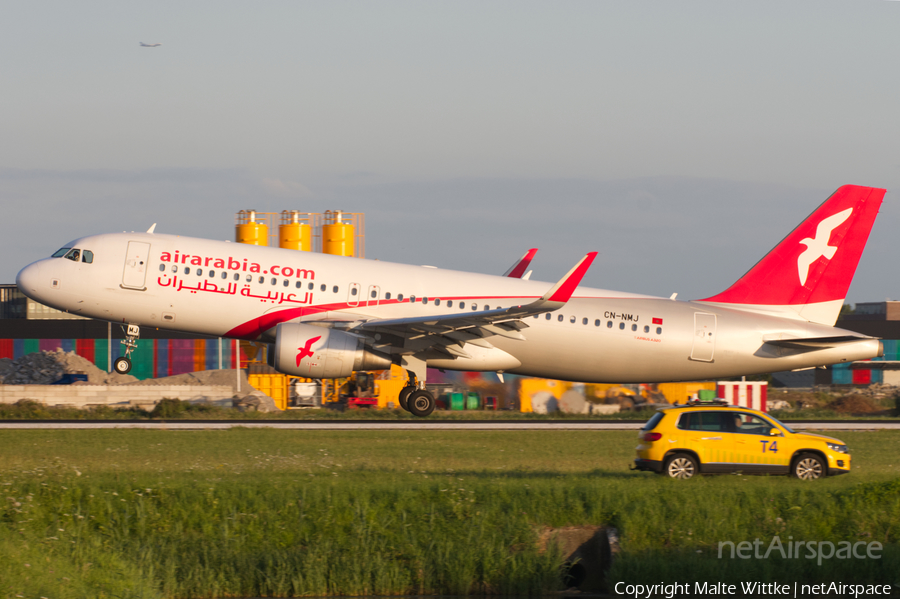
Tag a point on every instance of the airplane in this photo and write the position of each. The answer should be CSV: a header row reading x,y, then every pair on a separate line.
x,y
325,316
149,45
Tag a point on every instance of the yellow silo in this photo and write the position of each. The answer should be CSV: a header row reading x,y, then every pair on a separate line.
x,y
293,234
337,238
249,231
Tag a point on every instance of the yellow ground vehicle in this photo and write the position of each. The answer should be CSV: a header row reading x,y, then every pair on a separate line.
x,y
715,437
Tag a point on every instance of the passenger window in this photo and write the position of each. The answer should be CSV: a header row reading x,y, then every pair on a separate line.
x,y
449,303
608,324
572,319
621,326
387,295
199,272
412,299
584,321
399,297
274,281
353,290
224,274
212,274
162,268
597,323
262,280
548,316
374,294
703,421
311,285
437,302
424,300
174,268
237,276
486,308
334,289
474,306
659,330
559,318
646,329
187,270
249,278
634,327
323,287
87,256
286,283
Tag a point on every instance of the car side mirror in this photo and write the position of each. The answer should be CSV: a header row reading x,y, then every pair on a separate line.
x,y
774,432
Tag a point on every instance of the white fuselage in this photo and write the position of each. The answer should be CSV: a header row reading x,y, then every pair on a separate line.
x,y
234,290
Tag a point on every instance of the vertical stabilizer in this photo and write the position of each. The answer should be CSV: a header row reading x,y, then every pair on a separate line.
x,y
807,275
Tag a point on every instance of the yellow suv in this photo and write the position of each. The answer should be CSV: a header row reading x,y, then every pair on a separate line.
x,y
714,437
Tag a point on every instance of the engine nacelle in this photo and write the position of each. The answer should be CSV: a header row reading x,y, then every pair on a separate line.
x,y
320,353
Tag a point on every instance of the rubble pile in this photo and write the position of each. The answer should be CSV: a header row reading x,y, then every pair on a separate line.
x,y
202,377
47,367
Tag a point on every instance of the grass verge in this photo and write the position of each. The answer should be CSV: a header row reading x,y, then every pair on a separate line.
x,y
276,513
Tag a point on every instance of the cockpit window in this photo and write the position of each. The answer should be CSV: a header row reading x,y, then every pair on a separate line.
x,y
87,256
60,252
74,255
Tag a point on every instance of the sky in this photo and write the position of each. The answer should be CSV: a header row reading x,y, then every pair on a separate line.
x,y
681,140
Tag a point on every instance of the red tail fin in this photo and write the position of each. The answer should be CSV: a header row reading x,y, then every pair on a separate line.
x,y
809,272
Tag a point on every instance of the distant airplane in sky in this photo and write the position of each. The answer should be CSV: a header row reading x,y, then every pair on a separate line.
x,y
149,45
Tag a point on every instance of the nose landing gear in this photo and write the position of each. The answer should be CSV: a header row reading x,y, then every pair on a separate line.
x,y
122,365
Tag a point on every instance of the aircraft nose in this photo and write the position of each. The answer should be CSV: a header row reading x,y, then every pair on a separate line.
x,y
30,280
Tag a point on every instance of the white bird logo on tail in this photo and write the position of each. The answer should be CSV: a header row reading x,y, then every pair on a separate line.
x,y
818,247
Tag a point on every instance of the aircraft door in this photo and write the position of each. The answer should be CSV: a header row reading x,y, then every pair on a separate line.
x,y
374,295
353,295
135,273
704,347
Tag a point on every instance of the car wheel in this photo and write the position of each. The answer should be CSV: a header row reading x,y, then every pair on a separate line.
x,y
681,466
808,466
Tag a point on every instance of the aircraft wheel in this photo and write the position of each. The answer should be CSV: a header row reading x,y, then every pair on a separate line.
x,y
404,397
420,403
122,365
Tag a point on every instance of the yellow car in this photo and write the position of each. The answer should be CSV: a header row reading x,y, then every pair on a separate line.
x,y
714,437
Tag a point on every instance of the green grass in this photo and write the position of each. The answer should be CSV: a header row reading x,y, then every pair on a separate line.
x,y
134,513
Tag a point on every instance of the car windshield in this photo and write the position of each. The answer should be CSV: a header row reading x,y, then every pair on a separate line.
x,y
780,423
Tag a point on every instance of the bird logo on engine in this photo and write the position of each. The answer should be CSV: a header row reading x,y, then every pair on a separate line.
x,y
305,351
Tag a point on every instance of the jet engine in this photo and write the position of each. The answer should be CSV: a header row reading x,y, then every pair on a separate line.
x,y
320,353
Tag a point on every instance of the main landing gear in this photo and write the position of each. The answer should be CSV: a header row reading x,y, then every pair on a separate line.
x,y
122,365
415,399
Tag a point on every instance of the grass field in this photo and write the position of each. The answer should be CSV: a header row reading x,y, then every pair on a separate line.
x,y
134,513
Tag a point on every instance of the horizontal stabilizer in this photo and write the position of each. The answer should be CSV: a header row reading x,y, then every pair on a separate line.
x,y
878,365
815,342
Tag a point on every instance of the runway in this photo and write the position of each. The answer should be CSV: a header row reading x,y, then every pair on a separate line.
x,y
410,425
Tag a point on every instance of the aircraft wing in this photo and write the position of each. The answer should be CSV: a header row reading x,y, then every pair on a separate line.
x,y
517,270
448,333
